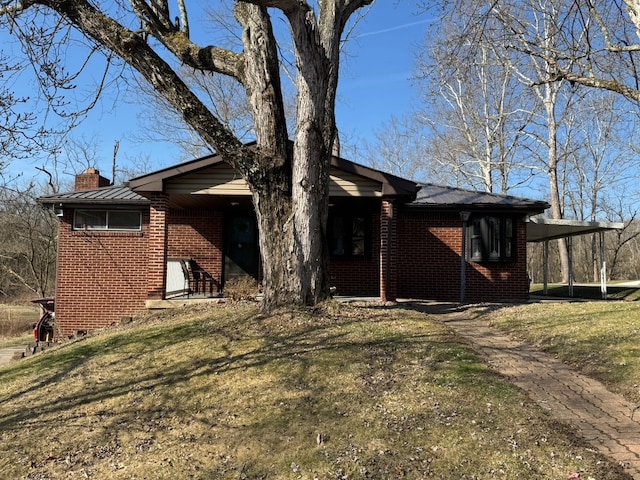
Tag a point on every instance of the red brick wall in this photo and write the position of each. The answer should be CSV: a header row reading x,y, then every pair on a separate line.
x,y
197,234
388,251
101,278
359,277
429,247
157,247
90,179
104,277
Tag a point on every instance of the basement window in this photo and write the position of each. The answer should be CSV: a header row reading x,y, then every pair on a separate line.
x,y
108,220
491,238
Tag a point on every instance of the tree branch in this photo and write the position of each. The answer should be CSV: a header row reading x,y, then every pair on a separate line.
x,y
135,51
184,18
262,72
17,276
611,85
349,7
287,6
208,58
633,9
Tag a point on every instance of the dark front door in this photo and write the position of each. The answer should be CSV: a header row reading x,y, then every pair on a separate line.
x,y
241,247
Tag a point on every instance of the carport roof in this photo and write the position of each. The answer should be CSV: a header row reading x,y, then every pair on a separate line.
x,y
541,229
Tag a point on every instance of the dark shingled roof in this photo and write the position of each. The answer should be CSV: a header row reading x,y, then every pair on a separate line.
x,y
112,195
429,195
447,197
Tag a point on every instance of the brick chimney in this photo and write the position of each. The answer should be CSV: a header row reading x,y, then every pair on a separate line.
x,y
90,179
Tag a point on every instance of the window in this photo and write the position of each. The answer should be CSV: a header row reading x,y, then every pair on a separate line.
x,y
349,236
491,238
127,220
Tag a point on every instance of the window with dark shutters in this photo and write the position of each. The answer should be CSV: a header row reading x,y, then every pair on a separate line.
x,y
490,238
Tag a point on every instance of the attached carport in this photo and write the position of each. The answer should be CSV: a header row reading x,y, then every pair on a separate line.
x,y
546,229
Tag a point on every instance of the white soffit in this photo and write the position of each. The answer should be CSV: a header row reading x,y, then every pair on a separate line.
x,y
541,229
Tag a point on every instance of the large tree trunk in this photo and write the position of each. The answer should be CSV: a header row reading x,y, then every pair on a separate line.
x,y
289,185
290,189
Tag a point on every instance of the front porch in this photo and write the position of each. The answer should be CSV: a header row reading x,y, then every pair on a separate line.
x,y
202,210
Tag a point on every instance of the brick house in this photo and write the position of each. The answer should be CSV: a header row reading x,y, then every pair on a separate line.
x,y
119,246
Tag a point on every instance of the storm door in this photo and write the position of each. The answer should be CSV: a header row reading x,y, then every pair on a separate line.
x,y
241,257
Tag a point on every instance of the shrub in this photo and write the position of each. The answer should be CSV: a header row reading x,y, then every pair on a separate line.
x,y
241,288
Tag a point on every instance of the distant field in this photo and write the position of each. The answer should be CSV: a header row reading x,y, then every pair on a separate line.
x,y
16,323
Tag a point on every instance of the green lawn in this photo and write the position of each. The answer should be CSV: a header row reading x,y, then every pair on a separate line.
x,y
345,392
591,292
599,338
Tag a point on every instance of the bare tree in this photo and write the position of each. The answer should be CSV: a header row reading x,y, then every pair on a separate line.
x,y
602,51
224,96
582,43
600,166
501,114
20,135
288,183
400,148
27,244
478,109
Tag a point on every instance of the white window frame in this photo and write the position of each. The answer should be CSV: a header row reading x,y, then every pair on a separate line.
x,y
106,227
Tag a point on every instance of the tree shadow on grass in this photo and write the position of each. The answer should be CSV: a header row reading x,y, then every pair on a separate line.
x,y
299,347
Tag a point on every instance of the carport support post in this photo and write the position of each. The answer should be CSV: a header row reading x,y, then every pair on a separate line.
x,y
603,268
464,216
570,248
545,268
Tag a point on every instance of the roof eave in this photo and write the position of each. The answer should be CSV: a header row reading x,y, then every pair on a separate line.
x,y
392,185
75,202
527,209
544,229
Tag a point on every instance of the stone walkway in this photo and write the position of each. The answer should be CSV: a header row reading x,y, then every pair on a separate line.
x,y
606,420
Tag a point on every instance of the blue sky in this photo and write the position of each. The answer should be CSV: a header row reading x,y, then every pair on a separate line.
x,y
374,85
375,77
